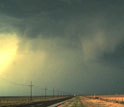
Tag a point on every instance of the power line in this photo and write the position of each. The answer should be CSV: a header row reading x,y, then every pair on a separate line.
x,y
60,93
12,82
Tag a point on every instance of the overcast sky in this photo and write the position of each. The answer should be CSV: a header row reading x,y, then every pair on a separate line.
x,y
69,45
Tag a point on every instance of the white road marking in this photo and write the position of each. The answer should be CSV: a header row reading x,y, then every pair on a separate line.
x,y
57,104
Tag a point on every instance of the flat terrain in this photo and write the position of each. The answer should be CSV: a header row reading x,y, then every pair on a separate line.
x,y
27,102
77,101
81,101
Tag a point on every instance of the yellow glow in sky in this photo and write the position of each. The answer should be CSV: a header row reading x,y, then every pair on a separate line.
x,y
8,48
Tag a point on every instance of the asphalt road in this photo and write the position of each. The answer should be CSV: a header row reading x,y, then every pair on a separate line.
x,y
43,103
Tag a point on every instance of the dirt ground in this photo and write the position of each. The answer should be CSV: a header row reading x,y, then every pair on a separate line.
x,y
81,101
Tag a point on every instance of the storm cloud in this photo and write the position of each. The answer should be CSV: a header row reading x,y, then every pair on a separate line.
x,y
79,43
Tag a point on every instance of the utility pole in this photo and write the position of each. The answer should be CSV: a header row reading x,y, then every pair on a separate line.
x,y
58,93
61,93
45,92
31,85
53,92
41,93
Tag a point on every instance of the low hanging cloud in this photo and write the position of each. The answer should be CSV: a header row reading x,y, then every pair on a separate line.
x,y
96,45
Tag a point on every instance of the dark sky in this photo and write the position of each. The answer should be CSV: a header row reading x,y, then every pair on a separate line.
x,y
73,45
